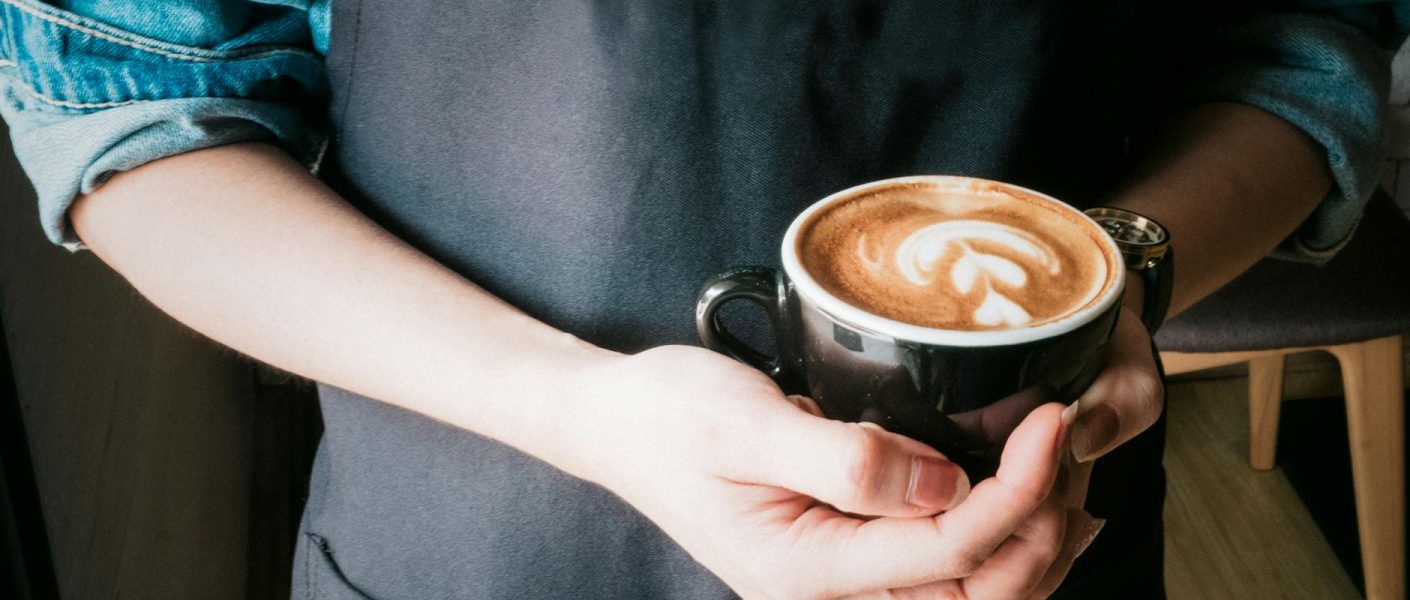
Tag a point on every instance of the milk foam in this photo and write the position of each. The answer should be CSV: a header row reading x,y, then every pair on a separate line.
x,y
968,259
918,254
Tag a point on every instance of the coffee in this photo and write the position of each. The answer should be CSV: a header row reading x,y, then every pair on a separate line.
x,y
957,254
940,308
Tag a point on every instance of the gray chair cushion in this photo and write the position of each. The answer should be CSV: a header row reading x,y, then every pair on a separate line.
x,y
1361,294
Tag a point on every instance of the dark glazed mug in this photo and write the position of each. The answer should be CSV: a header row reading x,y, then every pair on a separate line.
x,y
959,391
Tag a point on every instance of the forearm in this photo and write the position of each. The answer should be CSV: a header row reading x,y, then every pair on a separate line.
x,y
243,245
1229,182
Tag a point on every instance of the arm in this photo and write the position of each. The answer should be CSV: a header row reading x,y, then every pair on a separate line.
x,y
265,259
238,241
268,261
1281,148
1229,182
1279,151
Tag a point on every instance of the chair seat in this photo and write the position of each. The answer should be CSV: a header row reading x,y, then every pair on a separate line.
x,y
1361,294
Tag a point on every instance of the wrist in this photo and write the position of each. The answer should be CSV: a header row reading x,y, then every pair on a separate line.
x,y
637,418
1145,250
532,395
608,418
581,405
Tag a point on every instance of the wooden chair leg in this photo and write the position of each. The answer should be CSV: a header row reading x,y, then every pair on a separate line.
x,y
1265,400
1371,372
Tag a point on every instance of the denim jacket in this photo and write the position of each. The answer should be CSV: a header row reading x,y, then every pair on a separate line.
x,y
93,87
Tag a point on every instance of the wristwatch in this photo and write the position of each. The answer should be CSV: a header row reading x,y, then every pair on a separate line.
x,y
1145,247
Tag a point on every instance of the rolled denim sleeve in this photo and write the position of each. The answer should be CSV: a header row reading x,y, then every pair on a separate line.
x,y
91,88
1324,66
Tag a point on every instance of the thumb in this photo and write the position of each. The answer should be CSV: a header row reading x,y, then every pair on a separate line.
x,y
857,468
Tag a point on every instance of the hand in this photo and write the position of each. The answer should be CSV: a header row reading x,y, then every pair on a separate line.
x,y
782,504
1124,400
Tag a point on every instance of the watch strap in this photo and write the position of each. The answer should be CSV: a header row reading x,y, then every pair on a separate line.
x,y
1158,280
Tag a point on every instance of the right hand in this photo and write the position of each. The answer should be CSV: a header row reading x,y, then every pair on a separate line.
x,y
780,503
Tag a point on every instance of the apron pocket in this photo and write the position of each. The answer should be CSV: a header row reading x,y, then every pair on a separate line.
x,y
322,578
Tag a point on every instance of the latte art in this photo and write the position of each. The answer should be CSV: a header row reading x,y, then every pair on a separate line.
x,y
918,254
967,259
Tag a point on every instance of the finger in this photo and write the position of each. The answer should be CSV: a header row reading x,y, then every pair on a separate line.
x,y
889,553
1082,529
1125,399
993,423
1020,563
1070,487
1015,569
855,468
940,590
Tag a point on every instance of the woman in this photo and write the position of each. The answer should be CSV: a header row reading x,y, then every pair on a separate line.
x,y
522,199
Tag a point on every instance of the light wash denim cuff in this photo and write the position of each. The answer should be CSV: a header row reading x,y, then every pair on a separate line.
x,y
66,155
85,99
1330,80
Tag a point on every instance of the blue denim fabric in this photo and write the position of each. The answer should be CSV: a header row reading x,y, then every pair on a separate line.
x,y
90,87
1328,78
100,86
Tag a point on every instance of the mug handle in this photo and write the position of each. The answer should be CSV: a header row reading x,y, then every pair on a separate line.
x,y
760,285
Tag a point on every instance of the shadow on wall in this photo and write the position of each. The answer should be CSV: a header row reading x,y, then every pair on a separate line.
x,y
167,467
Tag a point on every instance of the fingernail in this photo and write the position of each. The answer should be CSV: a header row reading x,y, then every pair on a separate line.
x,y
1091,535
1097,430
1095,393
1069,414
935,484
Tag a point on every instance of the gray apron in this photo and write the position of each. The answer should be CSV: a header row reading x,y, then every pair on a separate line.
x,y
593,162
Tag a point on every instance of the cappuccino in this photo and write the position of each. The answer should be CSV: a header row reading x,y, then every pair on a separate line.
x,y
932,306
957,254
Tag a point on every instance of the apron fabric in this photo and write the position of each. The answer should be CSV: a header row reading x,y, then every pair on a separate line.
x,y
594,162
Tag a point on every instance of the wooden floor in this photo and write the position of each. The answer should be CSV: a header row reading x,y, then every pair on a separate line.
x,y
1232,532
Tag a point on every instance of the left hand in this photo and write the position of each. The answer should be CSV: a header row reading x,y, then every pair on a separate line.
x,y
1126,398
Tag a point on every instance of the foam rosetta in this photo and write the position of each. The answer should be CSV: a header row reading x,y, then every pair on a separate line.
x,y
918,254
973,259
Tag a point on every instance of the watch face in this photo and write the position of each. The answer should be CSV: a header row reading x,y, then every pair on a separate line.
x,y
1142,241
1127,231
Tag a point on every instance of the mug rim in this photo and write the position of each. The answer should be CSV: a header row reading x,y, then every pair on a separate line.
x,y
857,318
